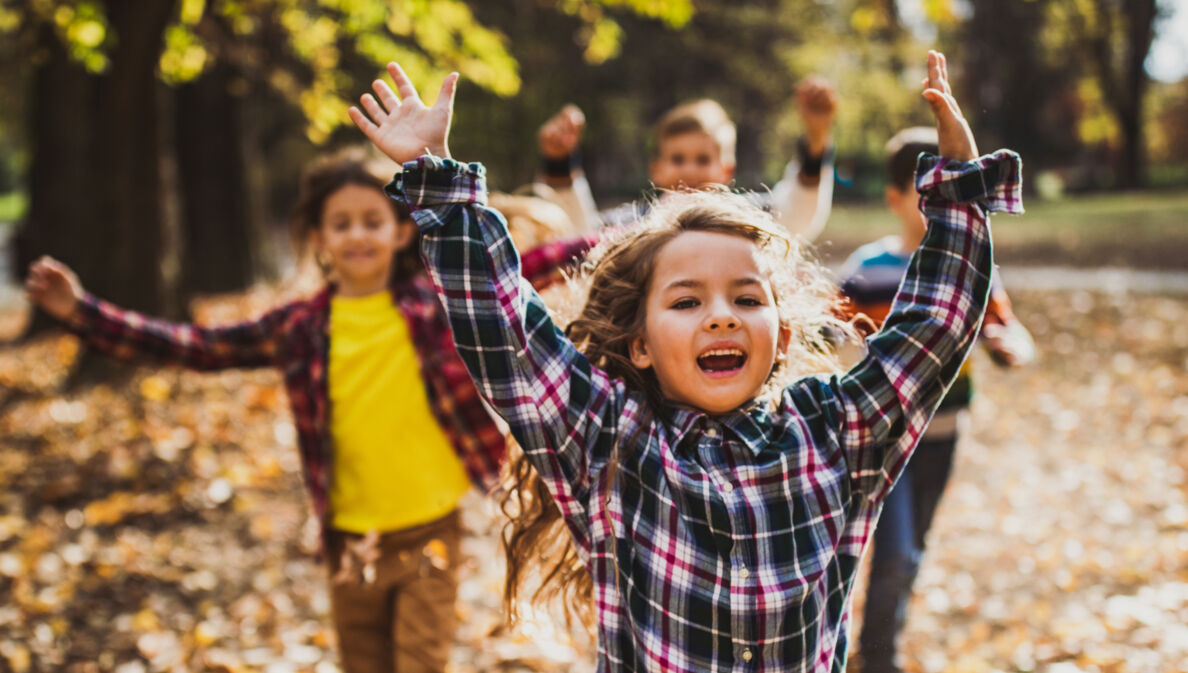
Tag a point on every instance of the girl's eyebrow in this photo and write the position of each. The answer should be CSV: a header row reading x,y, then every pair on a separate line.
x,y
693,283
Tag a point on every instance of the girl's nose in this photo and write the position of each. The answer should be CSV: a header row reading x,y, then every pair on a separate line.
x,y
721,318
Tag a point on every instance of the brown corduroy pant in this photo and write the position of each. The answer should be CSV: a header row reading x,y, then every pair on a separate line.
x,y
393,597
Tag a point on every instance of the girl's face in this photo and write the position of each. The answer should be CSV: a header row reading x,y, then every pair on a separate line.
x,y
711,331
360,233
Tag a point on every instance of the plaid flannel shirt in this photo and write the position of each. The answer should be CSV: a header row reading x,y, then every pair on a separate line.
x,y
295,339
728,542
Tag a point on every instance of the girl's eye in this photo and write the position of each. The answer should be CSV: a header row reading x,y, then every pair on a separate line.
x,y
685,304
678,159
748,301
374,224
703,160
339,226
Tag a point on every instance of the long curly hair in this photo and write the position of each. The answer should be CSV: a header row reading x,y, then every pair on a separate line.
x,y
542,561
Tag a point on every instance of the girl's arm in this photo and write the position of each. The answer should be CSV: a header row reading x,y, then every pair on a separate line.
x,y
885,401
882,405
556,403
132,336
544,264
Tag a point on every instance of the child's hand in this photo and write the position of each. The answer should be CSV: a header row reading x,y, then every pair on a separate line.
x,y
404,128
816,101
956,139
561,134
1008,345
54,287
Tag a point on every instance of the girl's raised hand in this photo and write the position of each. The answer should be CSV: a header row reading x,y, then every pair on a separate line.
x,y
956,139
54,287
403,127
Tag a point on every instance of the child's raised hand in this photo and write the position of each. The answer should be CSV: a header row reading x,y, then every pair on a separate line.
x,y
816,102
54,287
561,134
404,128
956,138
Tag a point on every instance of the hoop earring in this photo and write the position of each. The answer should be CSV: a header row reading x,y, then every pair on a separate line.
x,y
323,262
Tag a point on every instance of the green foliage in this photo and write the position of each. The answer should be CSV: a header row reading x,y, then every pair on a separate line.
x,y
327,44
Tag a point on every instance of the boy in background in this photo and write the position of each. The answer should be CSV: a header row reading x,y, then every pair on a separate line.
x,y
695,148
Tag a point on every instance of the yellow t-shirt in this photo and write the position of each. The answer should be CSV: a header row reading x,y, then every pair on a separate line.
x,y
393,467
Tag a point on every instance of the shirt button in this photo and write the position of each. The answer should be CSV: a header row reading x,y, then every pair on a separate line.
x,y
712,432
728,487
747,656
744,573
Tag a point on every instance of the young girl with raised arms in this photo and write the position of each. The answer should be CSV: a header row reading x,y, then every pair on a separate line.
x,y
390,427
720,517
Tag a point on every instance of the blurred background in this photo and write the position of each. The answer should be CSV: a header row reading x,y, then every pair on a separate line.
x,y
153,519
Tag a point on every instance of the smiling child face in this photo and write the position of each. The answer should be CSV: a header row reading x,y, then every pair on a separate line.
x,y
711,328
690,161
360,232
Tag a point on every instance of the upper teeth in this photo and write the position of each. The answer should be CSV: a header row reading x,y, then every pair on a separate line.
x,y
722,351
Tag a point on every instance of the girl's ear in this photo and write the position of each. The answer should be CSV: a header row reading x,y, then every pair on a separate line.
x,y
783,339
406,230
639,353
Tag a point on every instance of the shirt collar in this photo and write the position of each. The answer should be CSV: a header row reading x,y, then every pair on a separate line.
x,y
748,424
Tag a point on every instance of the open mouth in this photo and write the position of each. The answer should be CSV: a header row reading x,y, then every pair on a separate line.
x,y
721,361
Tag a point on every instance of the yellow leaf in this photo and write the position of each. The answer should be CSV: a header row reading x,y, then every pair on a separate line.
x,y
18,658
145,621
155,388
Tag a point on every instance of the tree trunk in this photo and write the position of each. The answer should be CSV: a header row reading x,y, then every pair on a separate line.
x,y
218,237
94,182
1140,32
62,186
128,238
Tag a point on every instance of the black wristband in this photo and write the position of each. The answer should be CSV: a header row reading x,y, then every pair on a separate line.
x,y
561,168
810,165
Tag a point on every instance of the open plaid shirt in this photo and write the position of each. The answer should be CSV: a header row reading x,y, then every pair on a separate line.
x,y
728,542
295,339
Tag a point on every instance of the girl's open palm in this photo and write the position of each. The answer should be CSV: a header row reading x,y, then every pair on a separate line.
x,y
403,127
956,138
53,286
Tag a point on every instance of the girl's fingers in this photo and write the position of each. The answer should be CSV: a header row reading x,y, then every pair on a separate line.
x,y
404,85
373,108
934,72
365,125
389,99
941,105
445,97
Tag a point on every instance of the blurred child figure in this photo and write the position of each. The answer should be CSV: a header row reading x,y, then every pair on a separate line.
x,y
870,280
390,427
716,509
695,148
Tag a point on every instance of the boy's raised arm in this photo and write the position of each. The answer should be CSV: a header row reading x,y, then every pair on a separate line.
x,y
803,198
887,399
555,402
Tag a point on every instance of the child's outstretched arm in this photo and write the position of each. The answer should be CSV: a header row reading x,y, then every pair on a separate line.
x,y
131,336
556,403
885,402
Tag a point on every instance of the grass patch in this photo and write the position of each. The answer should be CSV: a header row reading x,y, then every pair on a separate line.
x,y
1137,229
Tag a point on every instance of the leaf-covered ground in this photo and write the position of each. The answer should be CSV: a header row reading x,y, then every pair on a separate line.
x,y
160,525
